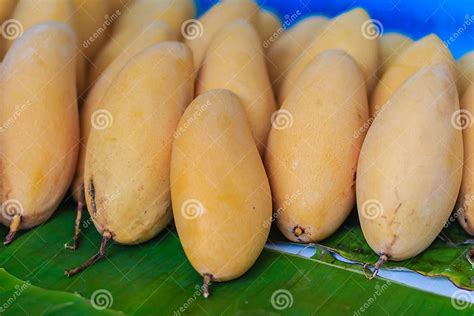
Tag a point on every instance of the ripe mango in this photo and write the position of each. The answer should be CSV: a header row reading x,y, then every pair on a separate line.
x,y
351,32
410,166
143,12
214,20
40,131
153,34
466,70
126,180
268,24
128,43
391,46
285,50
426,51
32,12
313,148
235,61
465,204
221,197
91,16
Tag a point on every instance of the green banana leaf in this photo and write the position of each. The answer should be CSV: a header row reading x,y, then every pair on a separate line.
x,y
17,297
156,278
446,257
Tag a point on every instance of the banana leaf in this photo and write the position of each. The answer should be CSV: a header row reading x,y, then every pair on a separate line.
x,y
17,297
446,257
156,278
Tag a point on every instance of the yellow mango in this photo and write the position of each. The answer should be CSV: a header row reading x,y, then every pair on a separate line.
x,y
91,17
285,50
313,148
464,207
115,5
32,12
410,166
268,24
235,61
466,70
123,42
90,109
220,193
40,125
214,20
427,51
6,9
350,32
391,46
127,183
143,12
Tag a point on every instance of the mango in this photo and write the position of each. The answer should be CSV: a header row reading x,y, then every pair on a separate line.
x,y
6,9
285,50
313,148
466,70
268,24
426,51
91,16
351,32
143,12
214,20
410,166
40,124
464,120
91,108
127,182
122,42
235,61
220,193
32,12
391,45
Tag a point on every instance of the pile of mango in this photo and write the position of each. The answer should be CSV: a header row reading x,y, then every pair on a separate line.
x,y
230,123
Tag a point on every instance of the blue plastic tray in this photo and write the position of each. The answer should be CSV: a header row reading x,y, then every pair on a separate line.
x,y
451,20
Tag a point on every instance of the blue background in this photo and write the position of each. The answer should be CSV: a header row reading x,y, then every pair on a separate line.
x,y
415,18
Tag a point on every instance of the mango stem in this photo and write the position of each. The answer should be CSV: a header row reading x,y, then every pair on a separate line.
x,y
470,256
382,259
101,254
14,225
77,225
207,282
